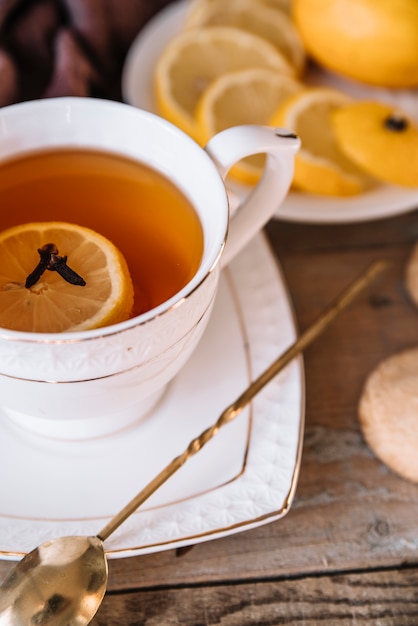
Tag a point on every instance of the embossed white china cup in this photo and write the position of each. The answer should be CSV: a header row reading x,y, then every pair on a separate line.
x,y
84,384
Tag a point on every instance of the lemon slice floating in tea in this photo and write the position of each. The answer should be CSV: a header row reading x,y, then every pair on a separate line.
x,y
380,139
57,301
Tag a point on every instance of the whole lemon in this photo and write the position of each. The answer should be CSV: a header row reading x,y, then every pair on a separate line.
x,y
373,41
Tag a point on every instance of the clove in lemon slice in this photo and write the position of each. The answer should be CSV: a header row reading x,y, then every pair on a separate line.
x,y
45,296
379,138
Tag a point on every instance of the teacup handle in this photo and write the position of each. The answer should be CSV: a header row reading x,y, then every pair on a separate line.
x,y
233,144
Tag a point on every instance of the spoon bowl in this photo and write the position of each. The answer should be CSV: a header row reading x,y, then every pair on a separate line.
x,y
61,582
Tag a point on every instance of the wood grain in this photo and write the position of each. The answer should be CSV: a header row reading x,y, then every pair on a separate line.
x,y
384,598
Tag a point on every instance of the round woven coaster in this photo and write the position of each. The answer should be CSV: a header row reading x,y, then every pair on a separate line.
x,y
388,413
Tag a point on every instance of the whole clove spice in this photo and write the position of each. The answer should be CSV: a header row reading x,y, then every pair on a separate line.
x,y
50,260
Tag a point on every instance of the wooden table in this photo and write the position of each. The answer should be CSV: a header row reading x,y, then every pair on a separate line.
x,y
347,552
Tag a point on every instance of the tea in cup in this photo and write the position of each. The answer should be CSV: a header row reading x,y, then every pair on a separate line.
x,y
161,199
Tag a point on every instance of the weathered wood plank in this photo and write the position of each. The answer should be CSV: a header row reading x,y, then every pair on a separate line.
x,y
293,238
385,598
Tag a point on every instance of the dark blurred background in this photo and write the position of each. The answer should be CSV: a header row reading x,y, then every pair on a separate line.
x,y
52,48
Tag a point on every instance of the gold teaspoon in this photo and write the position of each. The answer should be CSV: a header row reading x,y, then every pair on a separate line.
x,y
63,581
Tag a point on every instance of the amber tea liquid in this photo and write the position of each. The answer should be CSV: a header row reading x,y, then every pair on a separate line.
x,y
143,213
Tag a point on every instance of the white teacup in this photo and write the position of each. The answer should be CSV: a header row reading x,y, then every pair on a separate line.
x,y
92,383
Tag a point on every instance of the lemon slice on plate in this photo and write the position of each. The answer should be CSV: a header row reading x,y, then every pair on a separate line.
x,y
194,58
51,302
379,138
244,97
253,16
320,166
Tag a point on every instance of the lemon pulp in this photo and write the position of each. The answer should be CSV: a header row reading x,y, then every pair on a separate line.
x,y
196,57
52,304
380,139
320,166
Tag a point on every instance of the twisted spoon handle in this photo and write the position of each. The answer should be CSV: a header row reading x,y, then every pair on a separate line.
x,y
231,412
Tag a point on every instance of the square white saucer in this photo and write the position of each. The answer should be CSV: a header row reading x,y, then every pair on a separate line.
x,y
246,476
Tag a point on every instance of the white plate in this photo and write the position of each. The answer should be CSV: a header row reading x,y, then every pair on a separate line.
x,y
299,207
244,477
